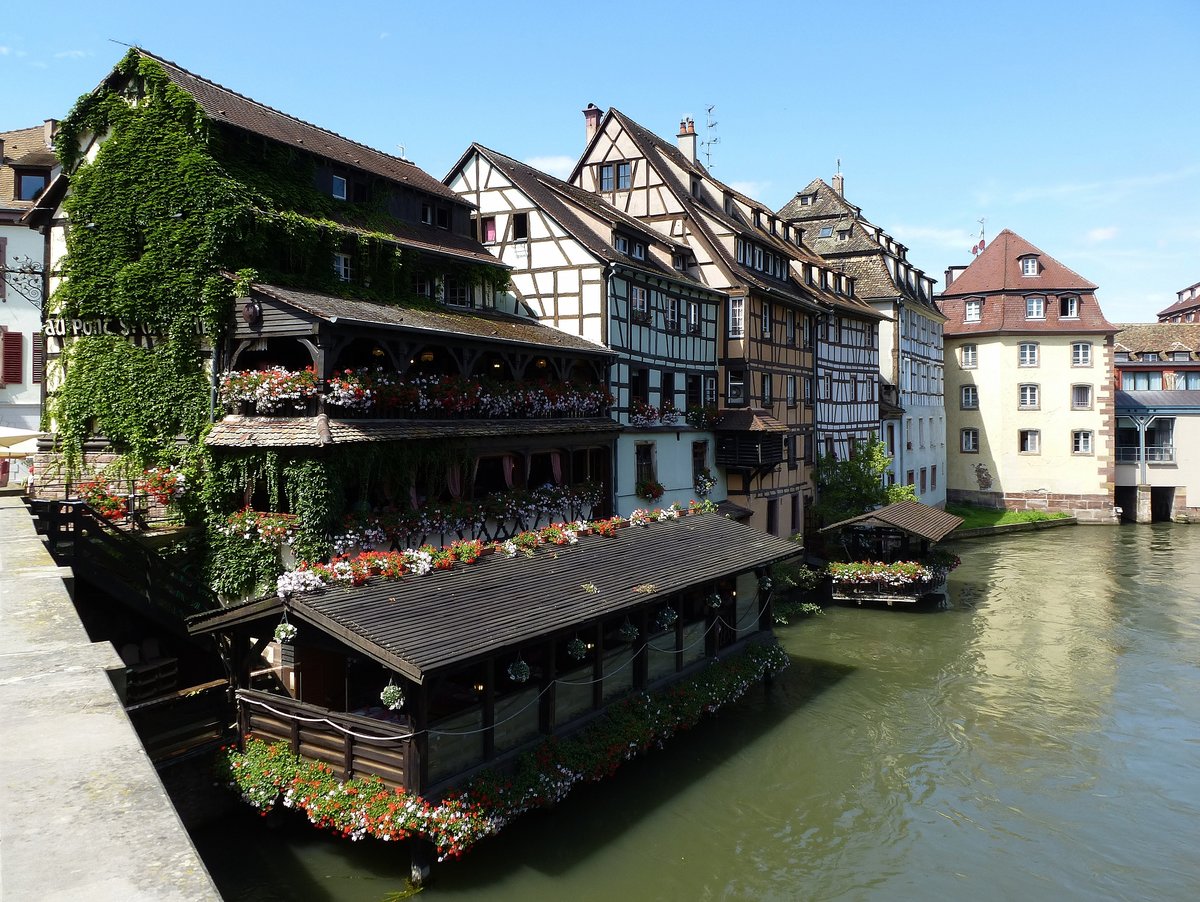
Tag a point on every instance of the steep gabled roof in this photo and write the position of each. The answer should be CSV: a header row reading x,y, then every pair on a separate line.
x,y
998,268
22,147
1161,337
562,201
1182,305
228,107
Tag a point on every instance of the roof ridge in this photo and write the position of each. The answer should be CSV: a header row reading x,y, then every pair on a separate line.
x,y
320,128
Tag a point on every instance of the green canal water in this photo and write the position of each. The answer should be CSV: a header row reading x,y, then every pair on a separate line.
x,y
1037,738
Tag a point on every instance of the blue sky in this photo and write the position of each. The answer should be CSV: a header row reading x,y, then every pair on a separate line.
x,y
1071,123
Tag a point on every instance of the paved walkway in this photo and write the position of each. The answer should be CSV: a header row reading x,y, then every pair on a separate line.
x,y
82,812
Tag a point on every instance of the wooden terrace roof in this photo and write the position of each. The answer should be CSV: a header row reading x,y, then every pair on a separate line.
x,y
911,517
423,624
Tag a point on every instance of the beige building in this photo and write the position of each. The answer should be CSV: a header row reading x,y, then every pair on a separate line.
x,y
1029,395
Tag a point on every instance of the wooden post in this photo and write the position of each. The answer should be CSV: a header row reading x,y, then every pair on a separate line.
x,y
546,708
421,858
598,667
347,756
489,709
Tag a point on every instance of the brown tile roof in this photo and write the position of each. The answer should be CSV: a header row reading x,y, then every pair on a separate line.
x,y
1181,306
222,105
432,240
25,147
319,431
748,419
1161,337
1006,313
998,268
912,517
487,325
511,602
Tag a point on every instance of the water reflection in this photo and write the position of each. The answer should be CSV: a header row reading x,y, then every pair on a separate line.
x,y
1036,739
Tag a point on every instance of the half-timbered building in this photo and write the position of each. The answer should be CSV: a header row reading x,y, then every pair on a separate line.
x,y
585,267
779,297
910,332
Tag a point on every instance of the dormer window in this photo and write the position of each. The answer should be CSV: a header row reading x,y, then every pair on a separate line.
x,y
639,250
695,187
30,184
973,311
728,204
843,235
1068,307
826,232
807,200
1029,266
621,243
1035,308
427,213
339,187
679,261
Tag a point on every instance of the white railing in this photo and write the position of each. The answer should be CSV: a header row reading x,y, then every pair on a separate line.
x,y
1155,454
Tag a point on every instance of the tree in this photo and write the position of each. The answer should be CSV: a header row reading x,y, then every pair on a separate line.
x,y
847,488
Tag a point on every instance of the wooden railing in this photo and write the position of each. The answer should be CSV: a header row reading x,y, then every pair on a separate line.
x,y
351,744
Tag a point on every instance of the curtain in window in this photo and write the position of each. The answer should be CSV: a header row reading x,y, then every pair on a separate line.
x,y
556,466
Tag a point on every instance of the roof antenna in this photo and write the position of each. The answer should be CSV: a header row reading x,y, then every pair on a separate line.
x,y
709,124
978,248
401,148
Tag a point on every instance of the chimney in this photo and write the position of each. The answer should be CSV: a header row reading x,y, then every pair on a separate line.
x,y
687,139
591,119
839,184
953,273
49,127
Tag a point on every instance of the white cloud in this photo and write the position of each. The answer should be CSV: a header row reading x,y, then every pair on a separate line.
x,y
750,189
559,166
1104,233
5,51
70,54
384,35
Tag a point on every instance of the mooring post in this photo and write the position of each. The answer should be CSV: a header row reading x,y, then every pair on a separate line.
x,y
420,853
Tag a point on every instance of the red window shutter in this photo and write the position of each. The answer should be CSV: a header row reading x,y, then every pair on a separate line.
x,y
38,371
10,357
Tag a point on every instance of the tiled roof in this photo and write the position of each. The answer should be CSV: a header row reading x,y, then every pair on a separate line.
x,y
1006,313
25,147
432,240
222,105
509,602
912,517
319,431
487,325
1161,337
998,268
748,419
557,198
1181,306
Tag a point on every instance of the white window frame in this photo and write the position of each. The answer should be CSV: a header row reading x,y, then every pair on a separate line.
x,y
624,176
339,180
710,390
1035,307
766,318
968,441
735,378
969,397
621,244
1081,354
639,251
791,390
969,357
342,267
672,314
1029,266
972,311
1029,441
1075,404
1071,302
639,303
737,317
1029,359
693,316
1029,396
1081,442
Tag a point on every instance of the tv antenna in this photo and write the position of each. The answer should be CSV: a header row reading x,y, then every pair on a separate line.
x,y
709,124
401,148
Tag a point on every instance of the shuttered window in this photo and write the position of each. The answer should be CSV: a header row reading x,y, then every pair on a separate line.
x,y
38,370
11,347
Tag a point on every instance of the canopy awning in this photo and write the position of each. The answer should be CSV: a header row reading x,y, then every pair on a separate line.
x,y
912,517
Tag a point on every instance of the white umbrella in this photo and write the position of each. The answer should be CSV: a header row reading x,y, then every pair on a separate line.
x,y
26,448
11,435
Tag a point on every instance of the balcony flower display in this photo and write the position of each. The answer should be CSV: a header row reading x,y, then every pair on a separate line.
x,y
164,484
668,416
704,483
642,414
878,575
702,416
104,499
268,528
273,390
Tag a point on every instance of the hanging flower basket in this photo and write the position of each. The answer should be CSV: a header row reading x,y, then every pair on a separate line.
x,y
518,671
666,618
392,696
577,649
285,632
764,584
715,600
628,632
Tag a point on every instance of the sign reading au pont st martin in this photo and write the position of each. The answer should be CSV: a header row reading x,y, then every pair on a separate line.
x,y
61,327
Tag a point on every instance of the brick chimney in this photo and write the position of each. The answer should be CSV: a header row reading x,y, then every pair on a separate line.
x,y
687,139
839,184
952,273
591,120
49,127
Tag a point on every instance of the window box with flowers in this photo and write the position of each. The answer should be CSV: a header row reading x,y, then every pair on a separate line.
x,y
650,489
642,415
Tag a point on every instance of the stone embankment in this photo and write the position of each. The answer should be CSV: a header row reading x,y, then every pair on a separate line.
x,y
83,814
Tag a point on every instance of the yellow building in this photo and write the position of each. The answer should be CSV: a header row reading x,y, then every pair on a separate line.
x,y
1029,399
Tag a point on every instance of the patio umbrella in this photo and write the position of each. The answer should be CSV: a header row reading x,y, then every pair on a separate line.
x,y
16,442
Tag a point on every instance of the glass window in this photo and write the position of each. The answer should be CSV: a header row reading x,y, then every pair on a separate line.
x,y
737,310
974,311
1150,357
1030,441
520,226
1144,381
1028,354
1191,382
624,176
693,316
1068,307
1029,266
339,187
1121,357
341,267
767,385
969,441
489,228
1035,308
1081,442
766,318
1081,397
672,314
606,177
621,244
1028,394
639,250
735,393
970,397
639,304
791,390
1081,354
970,357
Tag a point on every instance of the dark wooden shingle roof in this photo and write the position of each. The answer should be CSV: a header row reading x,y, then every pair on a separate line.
x,y
912,517
428,623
